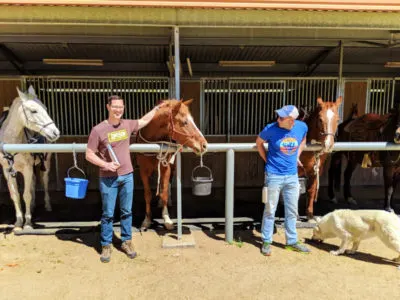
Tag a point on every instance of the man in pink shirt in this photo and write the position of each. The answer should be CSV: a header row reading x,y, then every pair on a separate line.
x,y
116,173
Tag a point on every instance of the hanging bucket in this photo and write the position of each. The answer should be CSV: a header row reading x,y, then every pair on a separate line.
x,y
201,186
76,187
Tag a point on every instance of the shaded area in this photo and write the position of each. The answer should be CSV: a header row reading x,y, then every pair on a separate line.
x,y
247,204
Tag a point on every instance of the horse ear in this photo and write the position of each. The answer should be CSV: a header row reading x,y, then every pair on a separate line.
x,y
188,102
320,101
21,95
31,91
339,100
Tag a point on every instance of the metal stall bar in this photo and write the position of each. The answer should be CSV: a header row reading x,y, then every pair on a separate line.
x,y
230,149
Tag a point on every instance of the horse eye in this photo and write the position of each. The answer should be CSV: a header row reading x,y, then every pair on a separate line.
x,y
185,123
34,111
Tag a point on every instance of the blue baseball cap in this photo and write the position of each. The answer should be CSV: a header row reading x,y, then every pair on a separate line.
x,y
288,111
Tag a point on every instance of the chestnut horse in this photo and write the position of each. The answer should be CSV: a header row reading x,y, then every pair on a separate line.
x,y
373,128
322,125
173,126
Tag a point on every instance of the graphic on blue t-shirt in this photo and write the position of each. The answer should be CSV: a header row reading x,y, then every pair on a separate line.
x,y
289,145
283,147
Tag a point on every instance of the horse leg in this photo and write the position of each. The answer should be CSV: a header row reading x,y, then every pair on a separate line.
x,y
396,179
311,192
33,190
14,194
165,176
44,176
388,183
348,173
334,176
29,204
145,176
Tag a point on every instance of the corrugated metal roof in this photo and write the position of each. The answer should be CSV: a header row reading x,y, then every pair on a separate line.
x,y
108,52
356,5
151,59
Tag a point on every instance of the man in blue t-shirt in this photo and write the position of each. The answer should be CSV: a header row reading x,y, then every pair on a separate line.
x,y
286,139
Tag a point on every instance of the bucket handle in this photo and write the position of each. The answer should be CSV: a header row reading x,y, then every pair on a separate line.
x,y
75,166
211,177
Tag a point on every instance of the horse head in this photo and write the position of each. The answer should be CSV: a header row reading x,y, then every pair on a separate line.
x,y
354,111
180,126
33,115
328,120
395,116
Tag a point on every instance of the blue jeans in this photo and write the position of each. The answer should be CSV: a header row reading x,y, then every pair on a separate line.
x,y
110,188
289,185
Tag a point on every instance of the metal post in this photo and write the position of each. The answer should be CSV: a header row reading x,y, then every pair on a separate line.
x,y
229,194
340,87
177,63
179,195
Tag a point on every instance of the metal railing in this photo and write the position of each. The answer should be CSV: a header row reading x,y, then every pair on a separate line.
x,y
230,150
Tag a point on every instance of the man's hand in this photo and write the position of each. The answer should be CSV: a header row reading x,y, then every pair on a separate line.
x,y
161,105
299,163
111,166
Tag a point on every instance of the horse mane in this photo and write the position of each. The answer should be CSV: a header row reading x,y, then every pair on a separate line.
x,y
312,122
14,104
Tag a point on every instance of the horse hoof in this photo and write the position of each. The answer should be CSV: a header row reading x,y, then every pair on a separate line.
x,y
389,209
17,228
351,201
169,226
28,227
333,200
145,224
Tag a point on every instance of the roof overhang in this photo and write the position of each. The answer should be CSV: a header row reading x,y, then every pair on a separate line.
x,y
356,5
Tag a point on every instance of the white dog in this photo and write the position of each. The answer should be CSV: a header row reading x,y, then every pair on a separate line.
x,y
356,225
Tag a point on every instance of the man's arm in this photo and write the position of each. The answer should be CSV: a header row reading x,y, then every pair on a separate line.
x,y
301,147
143,121
94,159
260,147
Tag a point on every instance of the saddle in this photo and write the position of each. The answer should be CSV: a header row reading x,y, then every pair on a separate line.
x,y
367,127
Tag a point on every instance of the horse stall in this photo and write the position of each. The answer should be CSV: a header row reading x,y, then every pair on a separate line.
x,y
228,110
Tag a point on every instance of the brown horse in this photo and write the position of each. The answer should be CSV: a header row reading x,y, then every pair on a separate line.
x,y
373,128
322,125
173,126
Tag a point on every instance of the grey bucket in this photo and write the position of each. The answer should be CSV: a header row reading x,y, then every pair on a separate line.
x,y
303,185
201,186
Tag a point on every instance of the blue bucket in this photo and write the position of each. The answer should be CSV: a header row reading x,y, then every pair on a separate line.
x,y
76,187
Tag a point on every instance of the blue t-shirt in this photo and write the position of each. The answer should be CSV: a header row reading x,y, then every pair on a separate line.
x,y
283,147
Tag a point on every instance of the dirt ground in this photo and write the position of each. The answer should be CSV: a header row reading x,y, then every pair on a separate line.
x,y
67,266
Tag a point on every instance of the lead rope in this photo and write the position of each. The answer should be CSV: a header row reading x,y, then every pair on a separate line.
x,y
163,156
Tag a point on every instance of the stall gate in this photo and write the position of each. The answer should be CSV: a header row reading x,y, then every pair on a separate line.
x,y
242,106
77,104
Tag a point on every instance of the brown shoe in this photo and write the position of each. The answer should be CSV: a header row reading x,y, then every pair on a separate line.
x,y
127,247
105,254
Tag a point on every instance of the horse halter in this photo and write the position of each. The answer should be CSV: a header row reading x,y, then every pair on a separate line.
x,y
41,126
174,132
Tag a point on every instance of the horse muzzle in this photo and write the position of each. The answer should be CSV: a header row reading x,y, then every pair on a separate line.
x,y
51,135
397,138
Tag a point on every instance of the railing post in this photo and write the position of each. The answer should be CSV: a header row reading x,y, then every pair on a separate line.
x,y
229,194
179,194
